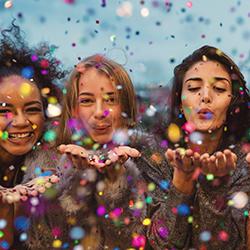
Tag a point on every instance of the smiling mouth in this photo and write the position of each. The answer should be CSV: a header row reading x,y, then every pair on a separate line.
x,y
18,136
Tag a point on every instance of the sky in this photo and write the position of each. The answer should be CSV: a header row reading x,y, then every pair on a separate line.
x,y
148,37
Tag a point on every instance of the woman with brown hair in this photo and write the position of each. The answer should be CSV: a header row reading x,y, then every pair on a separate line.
x,y
210,104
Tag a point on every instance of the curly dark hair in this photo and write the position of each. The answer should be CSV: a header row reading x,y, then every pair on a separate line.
x,y
36,64
238,112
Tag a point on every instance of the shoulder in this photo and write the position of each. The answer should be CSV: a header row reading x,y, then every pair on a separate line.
x,y
39,161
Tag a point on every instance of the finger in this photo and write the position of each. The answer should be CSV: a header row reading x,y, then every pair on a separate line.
x,y
188,161
122,156
197,159
212,165
204,156
131,152
248,158
178,159
230,159
112,156
61,148
204,162
169,154
220,160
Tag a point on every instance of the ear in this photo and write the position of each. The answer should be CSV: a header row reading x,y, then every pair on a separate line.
x,y
181,109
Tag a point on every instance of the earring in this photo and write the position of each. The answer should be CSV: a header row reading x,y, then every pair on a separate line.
x,y
180,115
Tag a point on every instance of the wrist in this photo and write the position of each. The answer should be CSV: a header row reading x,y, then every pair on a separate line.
x,y
183,182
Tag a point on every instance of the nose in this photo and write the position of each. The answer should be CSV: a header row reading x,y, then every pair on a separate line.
x,y
99,110
206,95
20,120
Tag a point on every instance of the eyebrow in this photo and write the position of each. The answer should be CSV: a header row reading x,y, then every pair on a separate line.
x,y
25,105
90,94
217,78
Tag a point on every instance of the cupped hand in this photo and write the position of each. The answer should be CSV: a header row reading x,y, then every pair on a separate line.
x,y
219,164
32,188
184,162
80,157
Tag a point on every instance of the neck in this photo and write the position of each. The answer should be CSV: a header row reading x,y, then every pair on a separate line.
x,y
7,160
210,142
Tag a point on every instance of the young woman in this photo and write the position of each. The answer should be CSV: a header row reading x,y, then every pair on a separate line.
x,y
210,103
23,77
99,183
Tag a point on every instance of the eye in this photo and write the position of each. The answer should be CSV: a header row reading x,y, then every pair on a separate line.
x,y
219,89
4,111
34,110
194,89
110,100
86,101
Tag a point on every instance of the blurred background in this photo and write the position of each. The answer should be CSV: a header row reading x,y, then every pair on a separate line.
x,y
148,37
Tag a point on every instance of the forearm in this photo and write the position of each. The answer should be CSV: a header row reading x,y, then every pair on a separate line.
x,y
169,225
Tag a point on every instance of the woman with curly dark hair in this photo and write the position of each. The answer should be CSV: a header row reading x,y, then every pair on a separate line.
x,y
26,84
211,179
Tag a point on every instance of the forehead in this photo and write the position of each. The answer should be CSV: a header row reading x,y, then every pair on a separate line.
x,y
94,81
208,68
17,89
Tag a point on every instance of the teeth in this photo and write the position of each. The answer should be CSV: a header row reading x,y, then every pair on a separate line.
x,y
20,135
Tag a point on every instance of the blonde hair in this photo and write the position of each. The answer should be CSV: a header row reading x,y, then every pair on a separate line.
x,y
119,77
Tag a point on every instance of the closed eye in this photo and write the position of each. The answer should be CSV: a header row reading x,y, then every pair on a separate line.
x,y
86,101
221,90
4,111
110,100
193,89
33,109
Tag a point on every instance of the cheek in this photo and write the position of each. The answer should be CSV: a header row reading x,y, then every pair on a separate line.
x,y
39,123
3,123
116,116
83,114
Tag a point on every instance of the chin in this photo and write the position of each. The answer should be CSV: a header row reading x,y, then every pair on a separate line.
x,y
102,139
20,152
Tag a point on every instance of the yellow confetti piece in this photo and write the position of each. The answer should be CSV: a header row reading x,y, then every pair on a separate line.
x,y
139,205
52,100
218,52
71,220
173,132
5,178
230,203
1,133
34,126
57,244
151,186
204,58
25,89
190,219
100,193
146,222
24,168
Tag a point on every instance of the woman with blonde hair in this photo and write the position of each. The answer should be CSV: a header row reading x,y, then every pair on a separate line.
x,y
100,194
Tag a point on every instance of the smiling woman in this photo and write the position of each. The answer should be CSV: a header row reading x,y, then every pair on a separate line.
x,y
23,104
21,116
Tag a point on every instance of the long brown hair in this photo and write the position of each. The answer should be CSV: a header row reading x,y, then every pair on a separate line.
x,y
118,76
